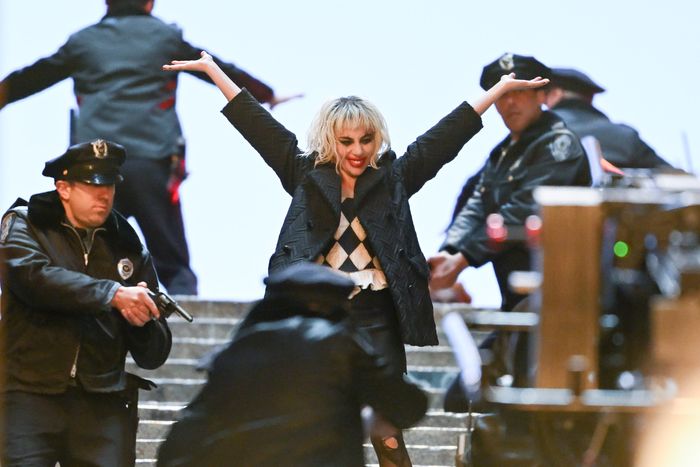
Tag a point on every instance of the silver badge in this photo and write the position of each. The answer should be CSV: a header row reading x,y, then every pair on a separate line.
x,y
125,268
6,226
99,148
561,147
506,62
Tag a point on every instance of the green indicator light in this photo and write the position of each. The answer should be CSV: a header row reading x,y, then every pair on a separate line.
x,y
621,249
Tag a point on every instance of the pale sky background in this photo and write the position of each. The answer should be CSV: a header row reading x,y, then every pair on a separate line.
x,y
415,59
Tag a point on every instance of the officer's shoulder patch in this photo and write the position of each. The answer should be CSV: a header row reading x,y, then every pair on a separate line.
x,y
6,226
561,147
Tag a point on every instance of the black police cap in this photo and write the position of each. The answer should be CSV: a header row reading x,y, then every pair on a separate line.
x,y
96,162
309,282
574,80
524,67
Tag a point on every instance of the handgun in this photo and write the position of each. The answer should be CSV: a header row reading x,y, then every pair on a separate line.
x,y
167,306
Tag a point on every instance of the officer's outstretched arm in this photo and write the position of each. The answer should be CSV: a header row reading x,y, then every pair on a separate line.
x,y
3,94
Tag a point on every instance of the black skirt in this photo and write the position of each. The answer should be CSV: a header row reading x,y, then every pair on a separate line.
x,y
375,313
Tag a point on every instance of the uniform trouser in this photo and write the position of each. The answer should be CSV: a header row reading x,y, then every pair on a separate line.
x,y
144,195
76,429
375,313
517,258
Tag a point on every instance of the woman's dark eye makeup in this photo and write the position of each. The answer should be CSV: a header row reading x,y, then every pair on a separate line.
x,y
368,138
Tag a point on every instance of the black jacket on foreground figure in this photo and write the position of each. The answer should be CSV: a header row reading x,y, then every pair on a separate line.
x,y
288,391
57,322
547,153
381,200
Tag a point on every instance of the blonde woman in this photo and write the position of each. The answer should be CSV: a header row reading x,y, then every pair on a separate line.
x,y
350,208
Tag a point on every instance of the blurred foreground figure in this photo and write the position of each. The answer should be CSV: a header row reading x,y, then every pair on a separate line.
x,y
570,96
74,302
290,387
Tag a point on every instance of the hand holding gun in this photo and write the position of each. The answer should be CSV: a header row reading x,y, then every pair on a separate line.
x,y
167,306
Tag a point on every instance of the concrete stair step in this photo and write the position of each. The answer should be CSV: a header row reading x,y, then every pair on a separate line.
x,y
429,451
187,369
184,389
195,347
425,454
154,413
152,463
200,308
209,334
205,327
189,347
221,329
417,436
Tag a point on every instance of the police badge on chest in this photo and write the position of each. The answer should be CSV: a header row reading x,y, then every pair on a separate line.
x,y
125,268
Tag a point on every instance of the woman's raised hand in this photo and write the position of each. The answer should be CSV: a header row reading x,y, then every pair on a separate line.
x,y
202,64
510,83
206,64
506,84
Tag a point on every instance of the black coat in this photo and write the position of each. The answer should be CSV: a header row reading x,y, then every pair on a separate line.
x,y
381,200
289,391
547,153
621,144
56,312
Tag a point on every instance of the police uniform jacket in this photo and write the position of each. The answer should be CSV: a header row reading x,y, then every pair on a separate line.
x,y
58,328
289,391
547,153
122,93
621,144
381,200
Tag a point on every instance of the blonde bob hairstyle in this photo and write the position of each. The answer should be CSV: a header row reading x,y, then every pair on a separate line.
x,y
345,112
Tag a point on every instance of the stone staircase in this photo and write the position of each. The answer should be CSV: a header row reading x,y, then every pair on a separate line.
x,y
432,443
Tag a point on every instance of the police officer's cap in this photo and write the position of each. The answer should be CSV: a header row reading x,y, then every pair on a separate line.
x,y
523,66
309,282
574,80
96,162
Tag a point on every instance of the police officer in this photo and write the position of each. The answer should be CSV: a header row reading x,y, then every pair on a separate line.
x,y
539,150
289,388
74,302
570,96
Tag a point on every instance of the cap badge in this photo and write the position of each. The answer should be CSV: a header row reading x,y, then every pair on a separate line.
x,y
506,62
125,268
99,148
